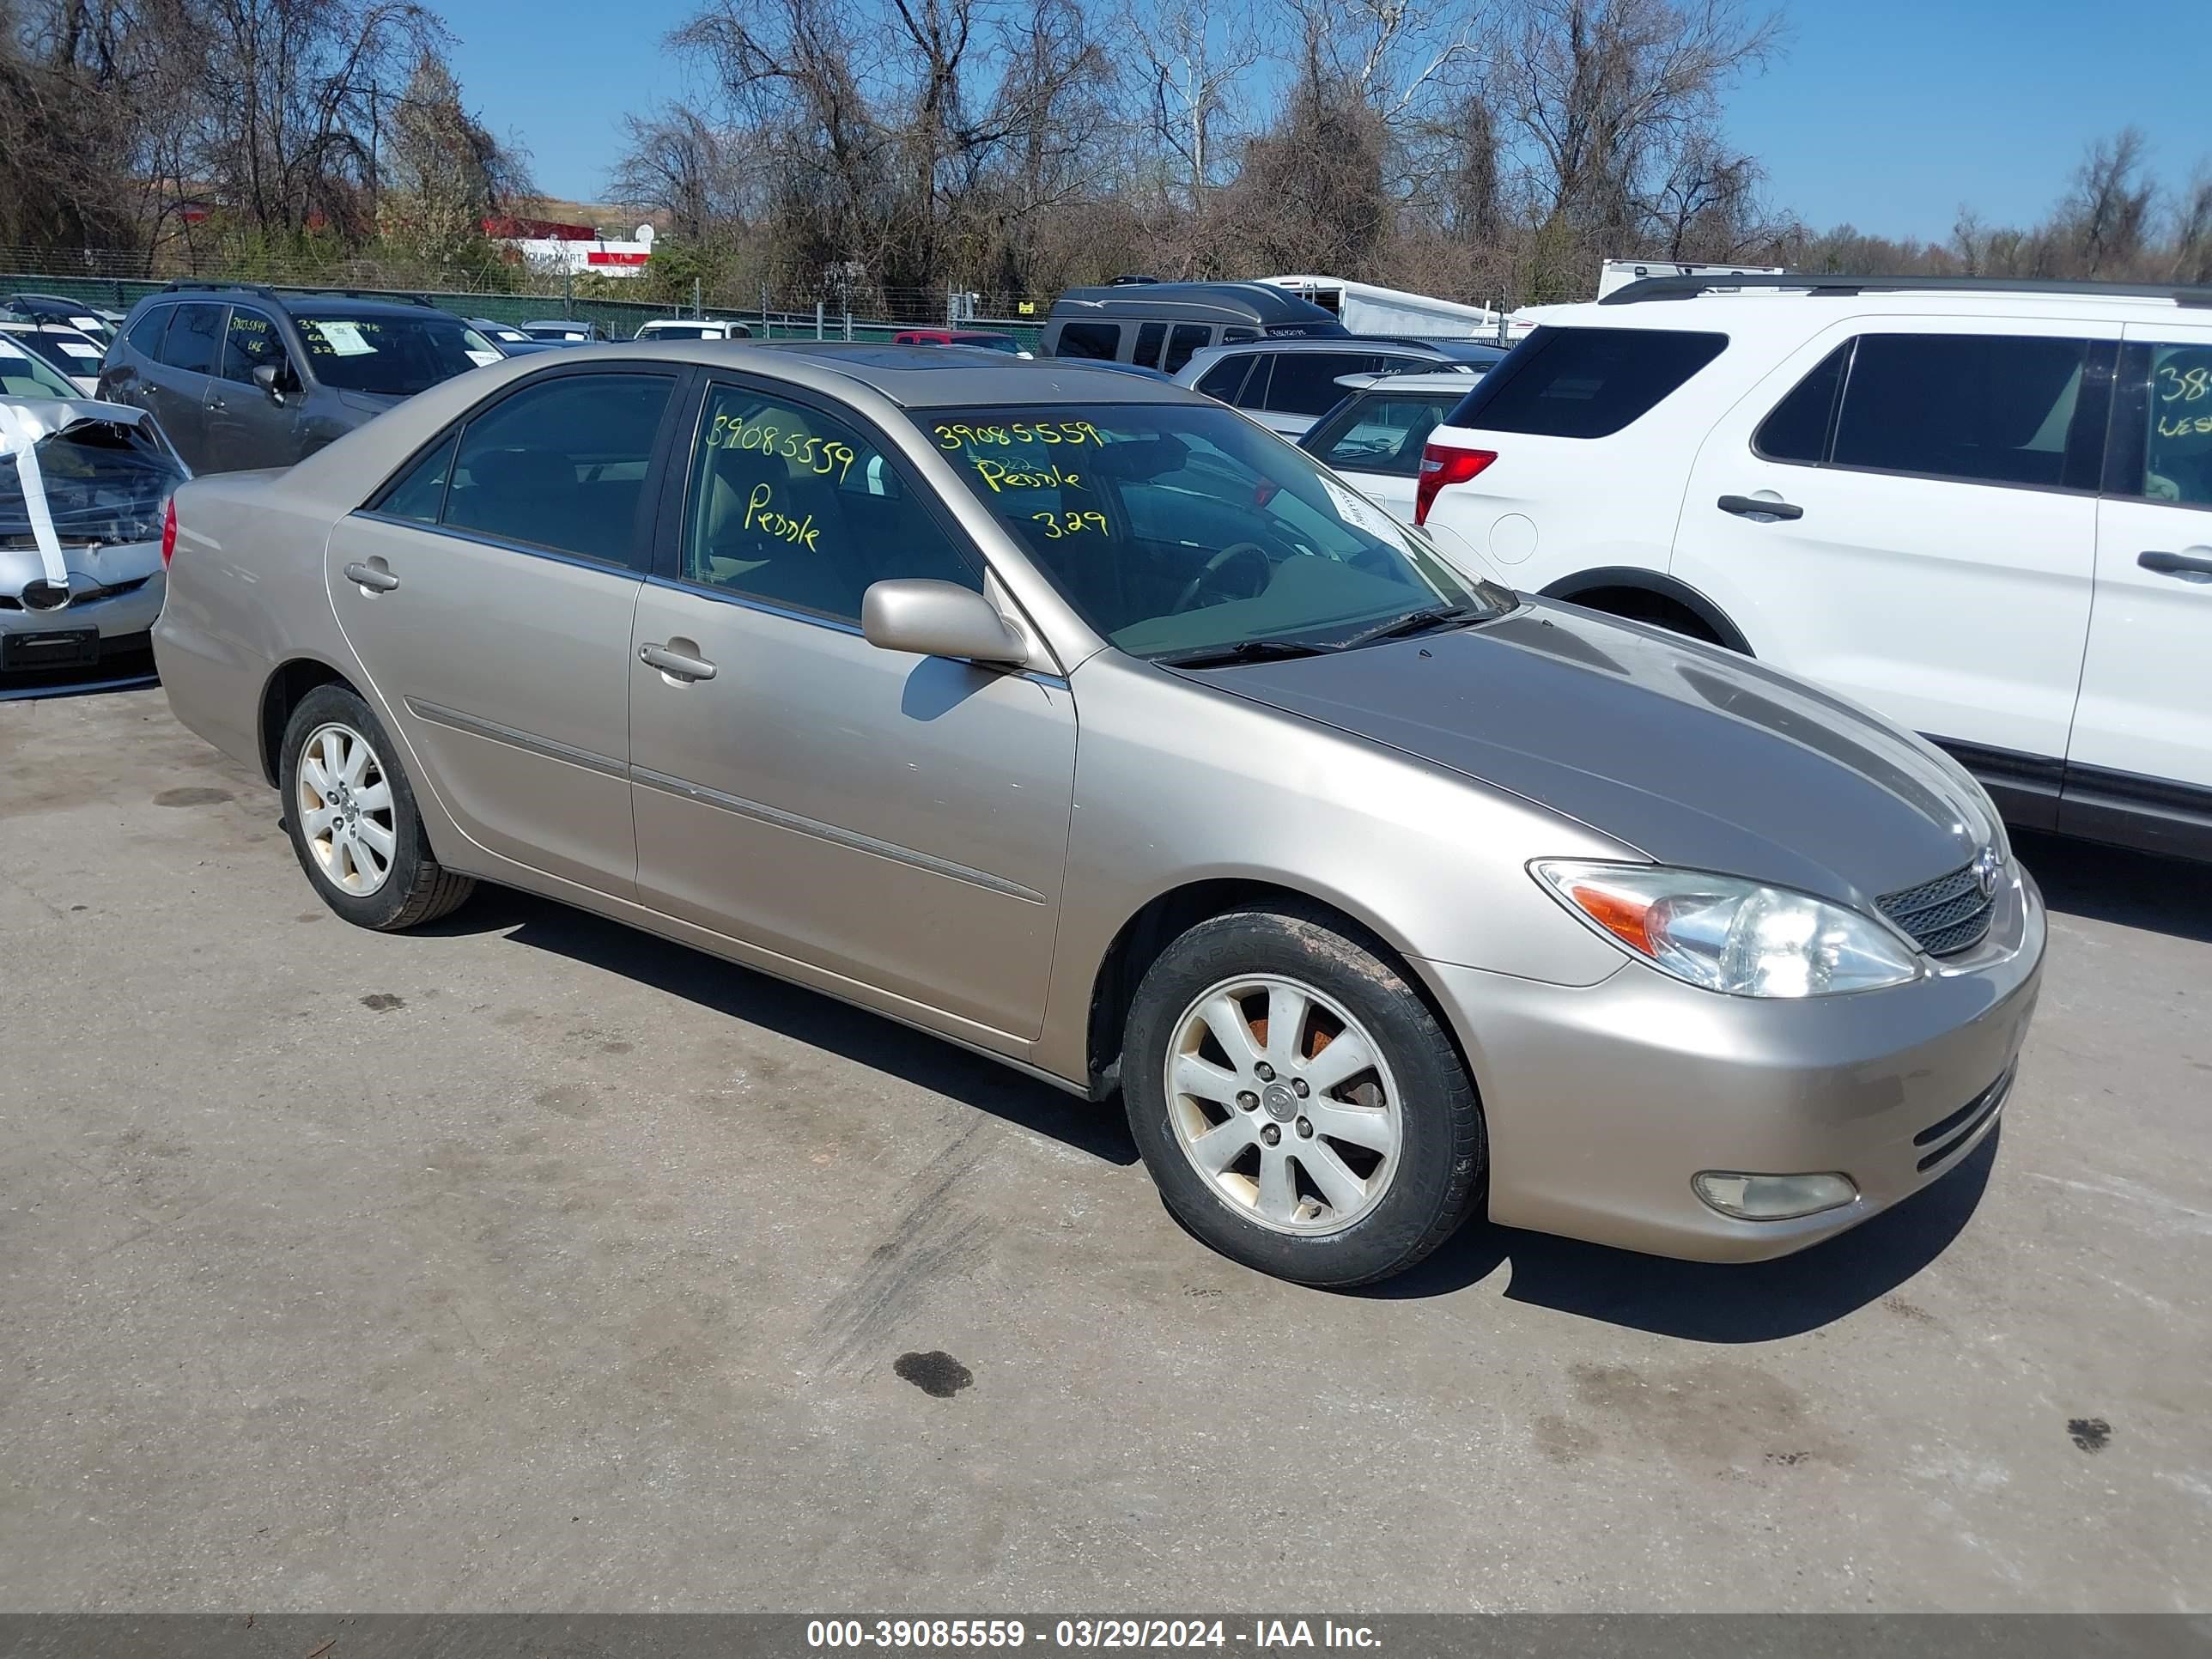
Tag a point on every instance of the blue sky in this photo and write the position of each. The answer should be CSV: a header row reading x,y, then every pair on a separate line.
x,y
1884,114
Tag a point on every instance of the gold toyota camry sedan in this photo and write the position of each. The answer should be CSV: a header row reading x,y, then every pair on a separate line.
x,y
1080,721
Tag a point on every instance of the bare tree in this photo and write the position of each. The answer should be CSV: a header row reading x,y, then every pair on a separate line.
x,y
1610,98
2106,217
685,167
2192,229
1195,61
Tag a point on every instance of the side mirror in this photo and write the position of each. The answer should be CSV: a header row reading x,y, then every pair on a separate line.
x,y
271,378
939,619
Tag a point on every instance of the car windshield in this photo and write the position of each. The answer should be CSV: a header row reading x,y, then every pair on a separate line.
x,y
65,352
1186,531
22,375
391,357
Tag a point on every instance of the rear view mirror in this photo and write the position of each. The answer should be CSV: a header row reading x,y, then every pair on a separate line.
x,y
939,619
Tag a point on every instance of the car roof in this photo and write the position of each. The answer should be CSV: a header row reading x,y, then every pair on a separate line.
x,y
928,377
322,302
1337,343
1226,302
1459,382
1772,307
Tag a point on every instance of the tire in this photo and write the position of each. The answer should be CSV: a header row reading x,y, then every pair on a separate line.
x,y
1407,1129
341,838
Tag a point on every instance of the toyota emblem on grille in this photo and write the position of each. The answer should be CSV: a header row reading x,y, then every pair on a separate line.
x,y
1986,868
43,595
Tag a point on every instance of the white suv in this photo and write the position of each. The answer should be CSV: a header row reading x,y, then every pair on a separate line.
x,y
1984,509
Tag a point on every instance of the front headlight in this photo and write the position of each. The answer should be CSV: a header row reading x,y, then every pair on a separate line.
x,y
1723,933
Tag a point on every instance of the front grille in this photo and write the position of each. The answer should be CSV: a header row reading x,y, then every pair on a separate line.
x,y
1944,917
83,595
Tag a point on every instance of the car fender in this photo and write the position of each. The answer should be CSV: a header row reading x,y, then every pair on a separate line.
x,y
1656,583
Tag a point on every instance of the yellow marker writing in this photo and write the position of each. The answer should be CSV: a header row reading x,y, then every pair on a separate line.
x,y
781,525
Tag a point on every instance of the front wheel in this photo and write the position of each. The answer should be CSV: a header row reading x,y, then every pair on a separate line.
x,y
352,817
1296,1102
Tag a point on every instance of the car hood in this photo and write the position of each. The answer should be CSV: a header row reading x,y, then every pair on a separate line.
x,y
369,403
1692,755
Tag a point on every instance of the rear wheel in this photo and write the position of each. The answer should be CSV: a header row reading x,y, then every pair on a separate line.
x,y
1296,1102
352,817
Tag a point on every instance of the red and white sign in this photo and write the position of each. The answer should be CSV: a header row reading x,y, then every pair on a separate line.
x,y
547,245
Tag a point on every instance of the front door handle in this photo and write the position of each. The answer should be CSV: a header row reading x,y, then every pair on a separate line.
x,y
2176,564
1746,506
373,577
675,663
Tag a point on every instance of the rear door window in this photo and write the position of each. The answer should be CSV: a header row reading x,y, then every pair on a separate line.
x,y
145,336
1093,340
1305,381
1187,338
1585,382
194,339
1147,349
1797,430
1979,408
560,465
1227,378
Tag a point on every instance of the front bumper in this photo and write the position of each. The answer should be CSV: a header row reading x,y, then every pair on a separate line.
x,y
117,594
1602,1101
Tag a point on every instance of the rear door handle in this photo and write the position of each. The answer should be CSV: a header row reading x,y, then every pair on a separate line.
x,y
676,663
1745,507
2176,564
374,578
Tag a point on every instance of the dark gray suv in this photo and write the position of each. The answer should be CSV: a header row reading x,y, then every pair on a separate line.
x,y
245,377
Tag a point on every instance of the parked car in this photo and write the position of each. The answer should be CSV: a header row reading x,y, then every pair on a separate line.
x,y
1287,385
84,487
565,330
1375,438
1482,355
251,377
693,328
70,350
1130,368
98,321
509,340
1983,507
1160,324
981,339
1370,890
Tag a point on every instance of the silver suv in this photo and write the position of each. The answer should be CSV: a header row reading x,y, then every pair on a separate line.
x,y
1287,385
251,377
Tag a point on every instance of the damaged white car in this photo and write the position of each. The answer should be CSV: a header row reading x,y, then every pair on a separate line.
x,y
84,496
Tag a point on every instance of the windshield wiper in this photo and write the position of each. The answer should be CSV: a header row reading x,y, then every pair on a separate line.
x,y
1209,656
1413,622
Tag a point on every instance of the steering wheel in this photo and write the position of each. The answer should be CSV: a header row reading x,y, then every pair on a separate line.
x,y
1221,561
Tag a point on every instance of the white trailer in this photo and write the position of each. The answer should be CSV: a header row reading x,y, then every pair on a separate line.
x,y
1364,308
1619,273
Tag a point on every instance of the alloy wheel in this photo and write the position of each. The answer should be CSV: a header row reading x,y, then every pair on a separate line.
x,y
345,810
1285,1103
